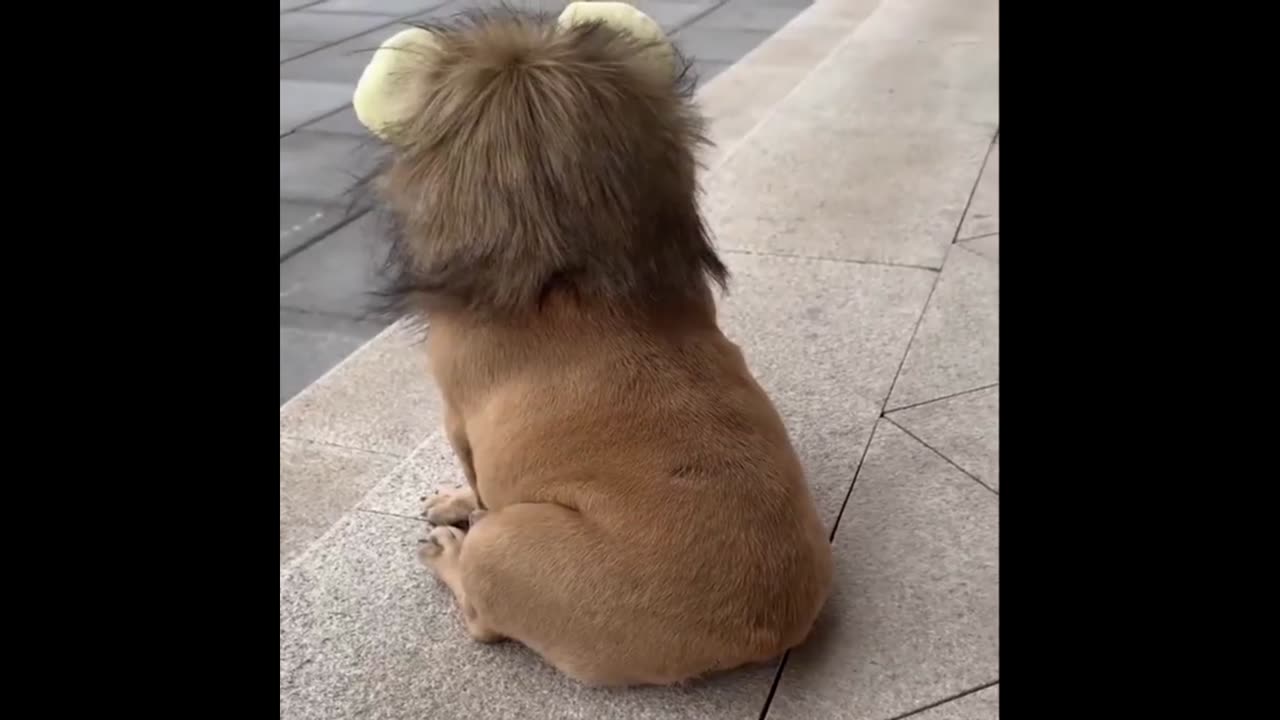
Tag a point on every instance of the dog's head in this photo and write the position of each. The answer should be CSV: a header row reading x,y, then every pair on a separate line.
x,y
532,155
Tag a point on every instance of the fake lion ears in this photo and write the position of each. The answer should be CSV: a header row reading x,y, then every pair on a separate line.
x,y
385,95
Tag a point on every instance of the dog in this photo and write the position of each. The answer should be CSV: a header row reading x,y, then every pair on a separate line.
x,y
634,510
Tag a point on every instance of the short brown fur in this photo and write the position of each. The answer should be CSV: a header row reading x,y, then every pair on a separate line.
x,y
637,512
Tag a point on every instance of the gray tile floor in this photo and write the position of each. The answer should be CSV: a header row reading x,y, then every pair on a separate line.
x,y
327,254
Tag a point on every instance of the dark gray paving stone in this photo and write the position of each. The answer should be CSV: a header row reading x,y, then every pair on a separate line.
x,y
319,167
307,26
302,101
310,346
292,48
336,275
342,62
343,122
710,45
394,8
740,15
302,221
779,3
673,15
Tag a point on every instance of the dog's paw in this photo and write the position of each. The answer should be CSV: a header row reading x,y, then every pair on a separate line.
x,y
442,544
451,507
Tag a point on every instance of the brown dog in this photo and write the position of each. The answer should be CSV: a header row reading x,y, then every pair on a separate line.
x,y
638,514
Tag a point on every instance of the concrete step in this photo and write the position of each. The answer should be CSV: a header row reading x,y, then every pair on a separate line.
x,y
850,144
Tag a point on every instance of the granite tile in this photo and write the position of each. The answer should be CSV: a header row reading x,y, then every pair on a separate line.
x,y
981,705
965,429
365,631
957,346
914,616
381,399
983,217
318,484
988,246
310,348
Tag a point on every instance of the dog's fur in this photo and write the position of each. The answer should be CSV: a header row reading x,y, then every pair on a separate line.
x,y
640,516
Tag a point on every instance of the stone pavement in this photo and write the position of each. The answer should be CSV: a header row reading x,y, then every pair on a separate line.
x,y
327,255
854,194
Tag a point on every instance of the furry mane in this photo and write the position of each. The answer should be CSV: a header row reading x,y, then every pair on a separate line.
x,y
544,159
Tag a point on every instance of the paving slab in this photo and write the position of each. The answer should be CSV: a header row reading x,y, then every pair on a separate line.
x,y
319,167
983,217
291,49
310,345
704,44
379,399
828,386
746,15
318,484
965,429
343,122
987,246
981,705
366,631
914,616
287,5
957,347
344,61
307,26
302,101
338,274
393,8
914,121
302,221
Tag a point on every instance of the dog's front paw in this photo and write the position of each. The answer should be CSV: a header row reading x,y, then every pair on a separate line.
x,y
440,547
451,507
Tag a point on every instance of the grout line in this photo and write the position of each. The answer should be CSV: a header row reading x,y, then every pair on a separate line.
x,y
777,680
782,666
940,399
914,330
312,241
938,452
974,190
387,514
944,701
301,7
390,21
698,16
340,446
795,256
978,237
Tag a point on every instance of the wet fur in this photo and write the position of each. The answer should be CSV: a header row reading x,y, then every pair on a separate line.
x,y
647,519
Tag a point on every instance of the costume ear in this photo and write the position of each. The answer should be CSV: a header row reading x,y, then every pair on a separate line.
x,y
389,90
621,16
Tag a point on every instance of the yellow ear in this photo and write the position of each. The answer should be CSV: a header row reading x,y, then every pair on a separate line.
x,y
387,94
626,17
